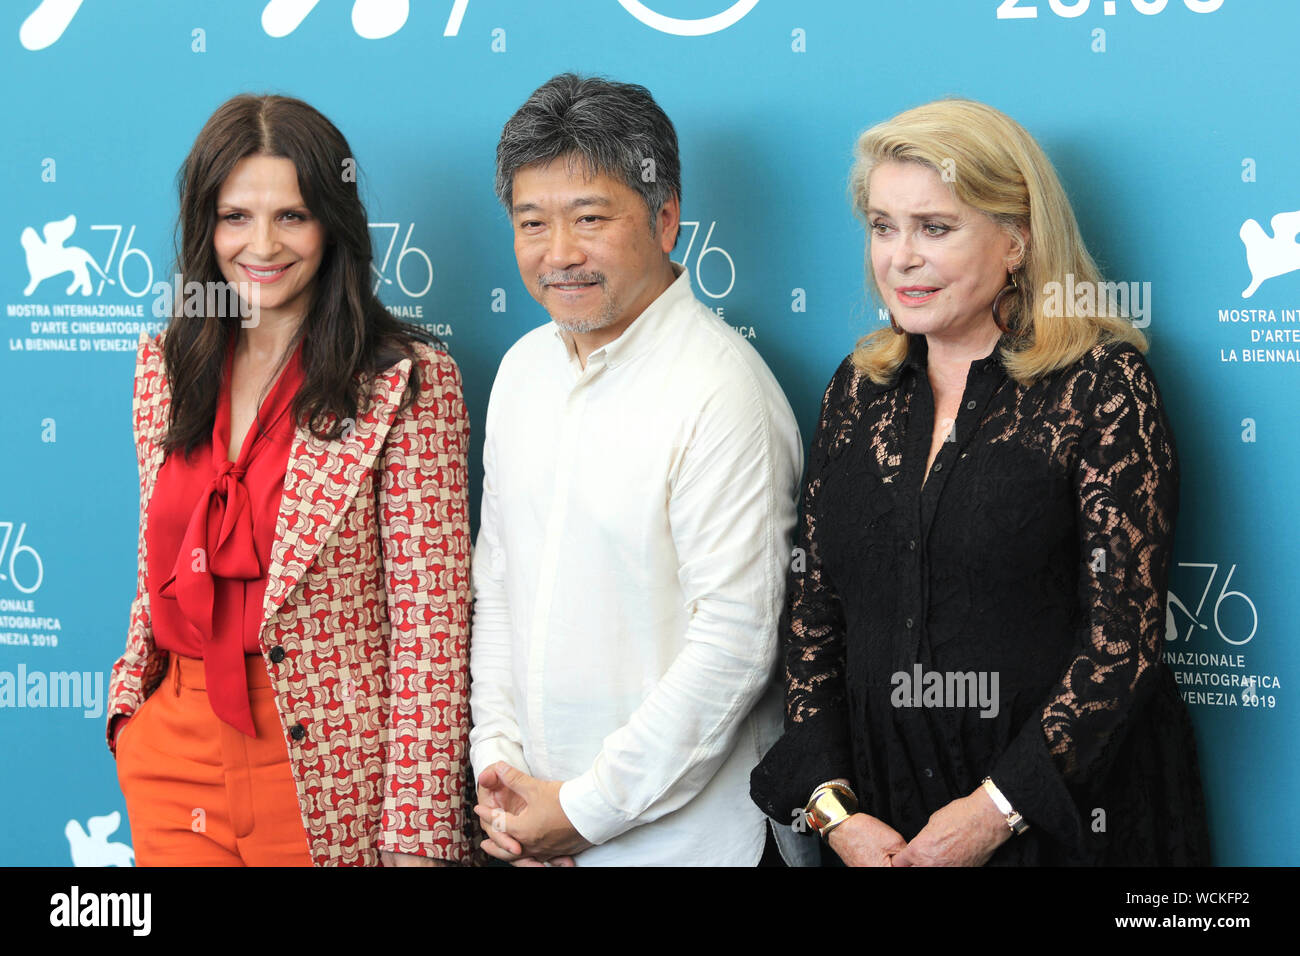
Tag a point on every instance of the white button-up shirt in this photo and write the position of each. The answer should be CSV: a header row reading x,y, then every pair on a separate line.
x,y
628,577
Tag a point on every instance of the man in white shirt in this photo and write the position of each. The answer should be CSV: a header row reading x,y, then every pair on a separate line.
x,y
640,464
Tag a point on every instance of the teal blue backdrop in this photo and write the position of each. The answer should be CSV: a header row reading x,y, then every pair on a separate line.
x,y
1173,123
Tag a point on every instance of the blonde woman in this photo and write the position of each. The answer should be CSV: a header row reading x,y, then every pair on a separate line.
x,y
974,619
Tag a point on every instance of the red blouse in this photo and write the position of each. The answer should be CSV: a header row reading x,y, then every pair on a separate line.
x,y
211,524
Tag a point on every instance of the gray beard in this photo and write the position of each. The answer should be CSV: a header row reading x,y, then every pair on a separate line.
x,y
606,317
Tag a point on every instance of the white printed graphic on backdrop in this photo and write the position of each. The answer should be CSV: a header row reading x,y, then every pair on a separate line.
x,y
371,19
1262,333
717,279
705,250
1271,256
1069,9
411,274
375,19
94,848
47,22
49,258
1209,672
689,28
75,314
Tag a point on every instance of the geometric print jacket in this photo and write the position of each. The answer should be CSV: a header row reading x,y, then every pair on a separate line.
x,y
365,624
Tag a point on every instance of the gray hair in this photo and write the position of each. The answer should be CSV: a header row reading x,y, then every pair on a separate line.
x,y
612,128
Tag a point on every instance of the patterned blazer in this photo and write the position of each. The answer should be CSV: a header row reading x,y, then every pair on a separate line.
x,y
368,596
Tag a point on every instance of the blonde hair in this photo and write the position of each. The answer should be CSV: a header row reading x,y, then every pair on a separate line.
x,y
995,166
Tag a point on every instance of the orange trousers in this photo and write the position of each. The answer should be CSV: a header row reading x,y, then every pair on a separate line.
x,y
200,793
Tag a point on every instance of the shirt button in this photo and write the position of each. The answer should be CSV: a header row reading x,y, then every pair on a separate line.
x,y
938,466
297,731
971,405
911,545
929,772
277,654
909,622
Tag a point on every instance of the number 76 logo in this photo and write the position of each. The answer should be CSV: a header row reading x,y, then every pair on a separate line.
x,y
380,271
1193,616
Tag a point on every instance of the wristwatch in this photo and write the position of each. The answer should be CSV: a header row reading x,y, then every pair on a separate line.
x,y
1015,821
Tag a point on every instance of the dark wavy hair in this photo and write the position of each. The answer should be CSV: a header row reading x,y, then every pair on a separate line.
x,y
347,335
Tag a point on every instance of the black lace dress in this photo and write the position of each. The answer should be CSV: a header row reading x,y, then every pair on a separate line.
x,y
1031,564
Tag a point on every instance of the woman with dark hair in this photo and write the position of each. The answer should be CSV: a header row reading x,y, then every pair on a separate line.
x,y
294,686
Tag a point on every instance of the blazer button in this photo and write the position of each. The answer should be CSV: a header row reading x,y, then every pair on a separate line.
x,y
277,654
297,731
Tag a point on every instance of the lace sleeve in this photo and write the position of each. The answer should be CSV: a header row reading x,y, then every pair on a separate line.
x,y
1126,491
815,746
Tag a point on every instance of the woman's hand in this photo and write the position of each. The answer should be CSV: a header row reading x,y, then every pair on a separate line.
x,y
962,833
863,840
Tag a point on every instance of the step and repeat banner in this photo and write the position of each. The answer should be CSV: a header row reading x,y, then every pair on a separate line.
x,y
1173,124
